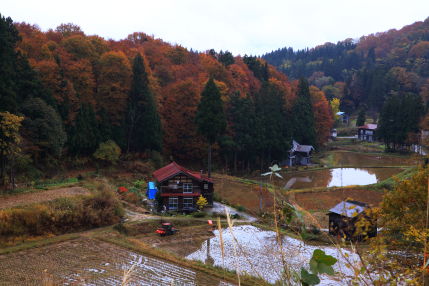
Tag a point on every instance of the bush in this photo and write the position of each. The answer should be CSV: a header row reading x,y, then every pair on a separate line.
x,y
199,214
108,151
140,184
61,215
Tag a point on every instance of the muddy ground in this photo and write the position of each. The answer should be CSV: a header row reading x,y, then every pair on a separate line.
x,y
38,197
183,243
86,261
316,201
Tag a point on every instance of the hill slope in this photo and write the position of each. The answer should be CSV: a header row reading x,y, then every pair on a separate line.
x,y
364,72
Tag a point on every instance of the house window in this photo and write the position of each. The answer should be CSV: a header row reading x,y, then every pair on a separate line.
x,y
206,186
188,203
173,203
187,188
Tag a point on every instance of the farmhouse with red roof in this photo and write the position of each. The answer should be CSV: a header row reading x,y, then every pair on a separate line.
x,y
180,188
367,132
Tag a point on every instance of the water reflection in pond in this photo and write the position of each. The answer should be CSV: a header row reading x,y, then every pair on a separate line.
x,y
336,177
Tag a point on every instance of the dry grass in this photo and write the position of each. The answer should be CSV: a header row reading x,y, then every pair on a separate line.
x,y
42,196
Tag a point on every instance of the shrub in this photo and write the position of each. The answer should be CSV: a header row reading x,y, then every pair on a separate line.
x,y
140,184
201,202
199,214
61,215
108,151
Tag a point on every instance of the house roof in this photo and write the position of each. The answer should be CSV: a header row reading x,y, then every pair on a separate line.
x,y
349,208
296,147
368,126
173,168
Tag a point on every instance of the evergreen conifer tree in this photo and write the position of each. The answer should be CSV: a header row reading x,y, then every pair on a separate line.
x,y
8,57
84,137
399,119
361,118
272,132
210,116
302,114
143,123
243,118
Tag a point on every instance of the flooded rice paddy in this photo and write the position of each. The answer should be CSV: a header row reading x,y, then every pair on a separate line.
x,y
341,158
256,252
335,177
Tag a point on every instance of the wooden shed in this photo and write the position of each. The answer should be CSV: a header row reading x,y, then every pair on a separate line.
x,y
352,220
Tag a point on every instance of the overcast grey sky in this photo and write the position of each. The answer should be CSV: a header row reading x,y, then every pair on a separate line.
x,y
240,26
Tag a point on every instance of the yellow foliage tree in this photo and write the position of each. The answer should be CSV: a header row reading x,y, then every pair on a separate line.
x,y
201,202
335,106
9,143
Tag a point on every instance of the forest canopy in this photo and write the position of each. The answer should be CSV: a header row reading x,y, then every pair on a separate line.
x,y
143,93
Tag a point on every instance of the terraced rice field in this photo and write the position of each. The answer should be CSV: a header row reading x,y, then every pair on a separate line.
x,y
86,261
254,251
38,197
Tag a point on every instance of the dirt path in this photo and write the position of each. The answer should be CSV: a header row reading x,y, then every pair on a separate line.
x,y
42,196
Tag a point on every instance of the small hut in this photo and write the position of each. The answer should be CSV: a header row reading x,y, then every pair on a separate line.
x,y
352,220
299,154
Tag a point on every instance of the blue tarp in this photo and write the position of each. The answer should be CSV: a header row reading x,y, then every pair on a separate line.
x,y
151,191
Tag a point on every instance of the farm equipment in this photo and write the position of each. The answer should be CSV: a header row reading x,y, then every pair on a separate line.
x,y
166,229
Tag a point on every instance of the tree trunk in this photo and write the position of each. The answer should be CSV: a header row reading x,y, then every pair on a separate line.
x,y
235,162
209,169
3,169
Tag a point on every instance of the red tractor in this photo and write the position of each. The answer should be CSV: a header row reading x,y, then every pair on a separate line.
x,y
166,229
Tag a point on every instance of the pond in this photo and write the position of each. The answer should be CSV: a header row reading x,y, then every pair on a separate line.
x,y
256,252
255,199
335,177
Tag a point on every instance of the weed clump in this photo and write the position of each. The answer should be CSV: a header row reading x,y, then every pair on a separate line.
x,y
61,215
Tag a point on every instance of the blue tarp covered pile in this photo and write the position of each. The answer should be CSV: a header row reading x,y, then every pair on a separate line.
x,y
151,191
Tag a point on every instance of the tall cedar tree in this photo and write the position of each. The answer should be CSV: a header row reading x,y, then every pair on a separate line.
x,y
210,116
272,132
361,118
143,123
303,118
242,117
43,130
8,57
18,80
84,135
399,120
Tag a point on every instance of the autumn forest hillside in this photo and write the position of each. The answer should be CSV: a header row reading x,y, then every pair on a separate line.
x,y
75,91
363,73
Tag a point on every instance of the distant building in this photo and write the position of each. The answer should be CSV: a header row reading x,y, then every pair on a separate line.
x,y
367,132
180,188
343,220
343,117
299,154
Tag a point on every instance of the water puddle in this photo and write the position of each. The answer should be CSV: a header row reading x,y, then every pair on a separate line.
x,y
257,253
